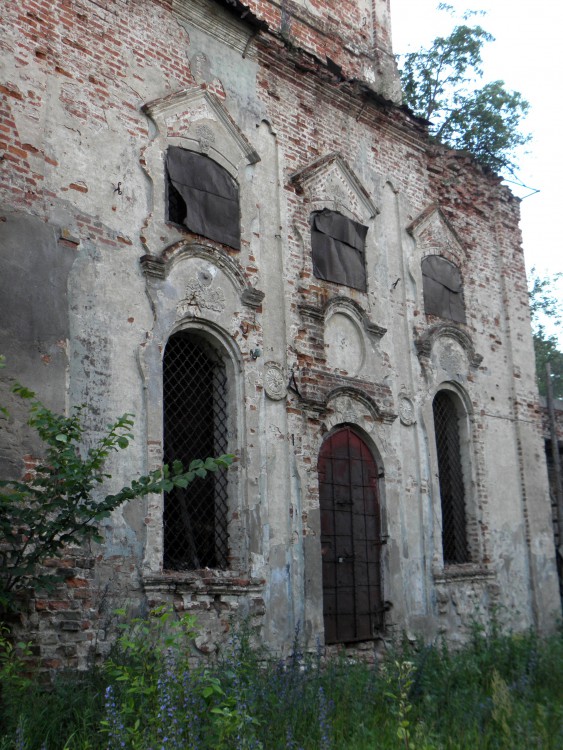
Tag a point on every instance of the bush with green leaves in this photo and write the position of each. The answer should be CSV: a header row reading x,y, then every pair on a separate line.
x,y
61,502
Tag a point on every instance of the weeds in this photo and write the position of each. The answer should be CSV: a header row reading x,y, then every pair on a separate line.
x,y
497,693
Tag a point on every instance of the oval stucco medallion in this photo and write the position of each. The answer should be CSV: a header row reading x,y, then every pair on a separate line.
x,y
275,382
345,344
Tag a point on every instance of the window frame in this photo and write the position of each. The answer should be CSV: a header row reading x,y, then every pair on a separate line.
x,y
210,549
151,359
467,462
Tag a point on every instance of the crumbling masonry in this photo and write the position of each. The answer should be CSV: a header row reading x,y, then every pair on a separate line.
x,y
220,218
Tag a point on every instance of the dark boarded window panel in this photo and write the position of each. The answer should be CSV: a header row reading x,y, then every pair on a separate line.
x,y
338,247
203,196
450,472
442,288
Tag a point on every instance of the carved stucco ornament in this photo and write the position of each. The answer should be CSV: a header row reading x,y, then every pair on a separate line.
x,y
452,359
347,412
200,296
331,181
426,340
406,410
275,381
206,138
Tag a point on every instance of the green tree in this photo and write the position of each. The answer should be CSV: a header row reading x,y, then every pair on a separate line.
x,y
546,309
62,502
440,84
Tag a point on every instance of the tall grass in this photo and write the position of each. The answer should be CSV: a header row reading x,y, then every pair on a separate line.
x,y
499,692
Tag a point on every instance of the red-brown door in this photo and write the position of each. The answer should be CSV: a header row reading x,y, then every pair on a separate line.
x,y
350,538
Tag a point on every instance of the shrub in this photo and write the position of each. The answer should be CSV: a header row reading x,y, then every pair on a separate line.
x,y
61,502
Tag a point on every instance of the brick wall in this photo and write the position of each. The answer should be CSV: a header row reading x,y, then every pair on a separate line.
x,y
79,158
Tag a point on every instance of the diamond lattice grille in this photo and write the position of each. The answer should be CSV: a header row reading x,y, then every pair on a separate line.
x,y
195,426
452,492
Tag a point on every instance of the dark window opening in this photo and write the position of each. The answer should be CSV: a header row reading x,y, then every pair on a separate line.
x,y
350,539
552,479
203,196
195,426
338,249
442,289
452,486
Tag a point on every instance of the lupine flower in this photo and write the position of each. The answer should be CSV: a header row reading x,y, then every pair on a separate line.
x,y
113,722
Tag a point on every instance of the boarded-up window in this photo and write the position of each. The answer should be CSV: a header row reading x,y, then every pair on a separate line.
x,y
338,246
203,196
442,288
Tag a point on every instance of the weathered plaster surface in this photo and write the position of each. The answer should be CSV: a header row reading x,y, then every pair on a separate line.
x,y
95,279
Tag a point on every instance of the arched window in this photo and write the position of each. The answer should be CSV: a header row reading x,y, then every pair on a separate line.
x,y
195,398
442,288
451,478
203,196
350,538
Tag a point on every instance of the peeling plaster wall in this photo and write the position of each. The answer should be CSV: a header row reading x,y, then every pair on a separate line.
x,y
94,280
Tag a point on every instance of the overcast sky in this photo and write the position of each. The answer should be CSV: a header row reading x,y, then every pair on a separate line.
x,y
526,55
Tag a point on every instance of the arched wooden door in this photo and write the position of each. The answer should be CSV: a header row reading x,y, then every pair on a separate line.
x,y
350,538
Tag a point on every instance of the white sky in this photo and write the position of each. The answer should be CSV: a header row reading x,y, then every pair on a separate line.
x,y
527,56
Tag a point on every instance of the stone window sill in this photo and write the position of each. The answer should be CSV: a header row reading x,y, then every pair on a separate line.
x,y
466,572
203,581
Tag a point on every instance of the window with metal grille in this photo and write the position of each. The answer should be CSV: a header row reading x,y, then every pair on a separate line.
x,y
452,485
195,426
442,289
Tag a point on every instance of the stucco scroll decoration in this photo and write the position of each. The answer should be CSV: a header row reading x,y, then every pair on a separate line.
x,y
200,296
346,410
275,381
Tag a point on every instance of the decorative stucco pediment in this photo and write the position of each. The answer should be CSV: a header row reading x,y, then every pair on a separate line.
x,y
350,405
158,268
347,306
330,182
197,120
434,234
443,335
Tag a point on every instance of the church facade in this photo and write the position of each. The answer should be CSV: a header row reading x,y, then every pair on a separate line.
x,y
219,217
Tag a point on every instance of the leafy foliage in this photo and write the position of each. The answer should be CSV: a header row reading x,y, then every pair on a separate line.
x,y
501,692
155,697
59,503
545,309
440,84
